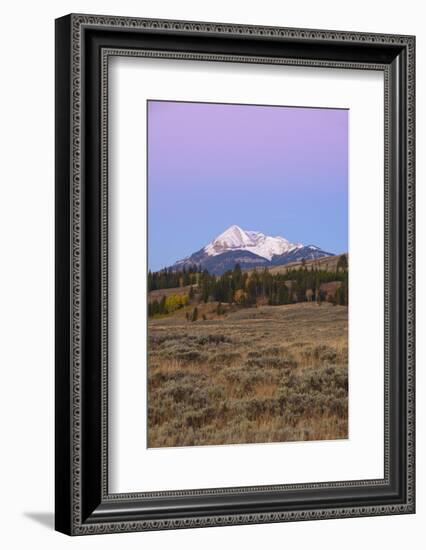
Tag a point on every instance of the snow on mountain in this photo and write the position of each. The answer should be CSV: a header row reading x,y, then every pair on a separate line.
x,y
250,249
235,238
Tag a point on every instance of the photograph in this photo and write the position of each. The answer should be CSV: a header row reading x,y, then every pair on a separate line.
x,y
248,273
235,253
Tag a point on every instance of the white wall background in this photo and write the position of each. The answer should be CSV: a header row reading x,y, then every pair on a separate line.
x,y
27,245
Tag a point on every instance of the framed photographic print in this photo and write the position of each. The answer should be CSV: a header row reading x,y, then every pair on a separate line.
x,y
234,274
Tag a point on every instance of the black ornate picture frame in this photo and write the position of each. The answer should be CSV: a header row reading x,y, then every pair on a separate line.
x,y
84,43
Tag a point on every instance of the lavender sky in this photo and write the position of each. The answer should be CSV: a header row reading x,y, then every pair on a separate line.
x,y
279,170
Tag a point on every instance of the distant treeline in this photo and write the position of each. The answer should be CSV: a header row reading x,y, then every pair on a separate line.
x,y
168,278
167,304
249,288
297,285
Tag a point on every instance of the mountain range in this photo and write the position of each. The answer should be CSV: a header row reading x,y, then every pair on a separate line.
x,y
250,249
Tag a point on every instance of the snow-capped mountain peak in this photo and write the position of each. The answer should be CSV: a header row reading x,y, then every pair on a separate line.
x,y
249,249
235,238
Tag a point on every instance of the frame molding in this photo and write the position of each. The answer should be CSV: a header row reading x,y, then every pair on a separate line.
x,y
83,45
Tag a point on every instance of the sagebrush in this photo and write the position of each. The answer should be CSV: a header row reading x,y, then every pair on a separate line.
x,y
248,375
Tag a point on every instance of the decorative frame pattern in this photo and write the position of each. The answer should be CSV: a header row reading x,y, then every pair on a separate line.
x,y
86,507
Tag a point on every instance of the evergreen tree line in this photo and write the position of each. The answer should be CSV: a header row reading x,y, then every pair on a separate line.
x,y
297,285
169,278
167,304
247,288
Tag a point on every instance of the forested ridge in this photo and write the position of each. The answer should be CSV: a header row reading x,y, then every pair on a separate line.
x,y
250,288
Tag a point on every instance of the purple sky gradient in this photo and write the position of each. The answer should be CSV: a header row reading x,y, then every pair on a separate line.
x,y
279,170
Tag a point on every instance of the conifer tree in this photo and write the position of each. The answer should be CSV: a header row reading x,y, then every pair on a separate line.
x,y
342,263
195,314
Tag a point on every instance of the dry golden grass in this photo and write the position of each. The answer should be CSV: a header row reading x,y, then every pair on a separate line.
x,y
265,374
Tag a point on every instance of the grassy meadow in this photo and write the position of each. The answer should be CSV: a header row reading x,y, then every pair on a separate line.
x,y
267,373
